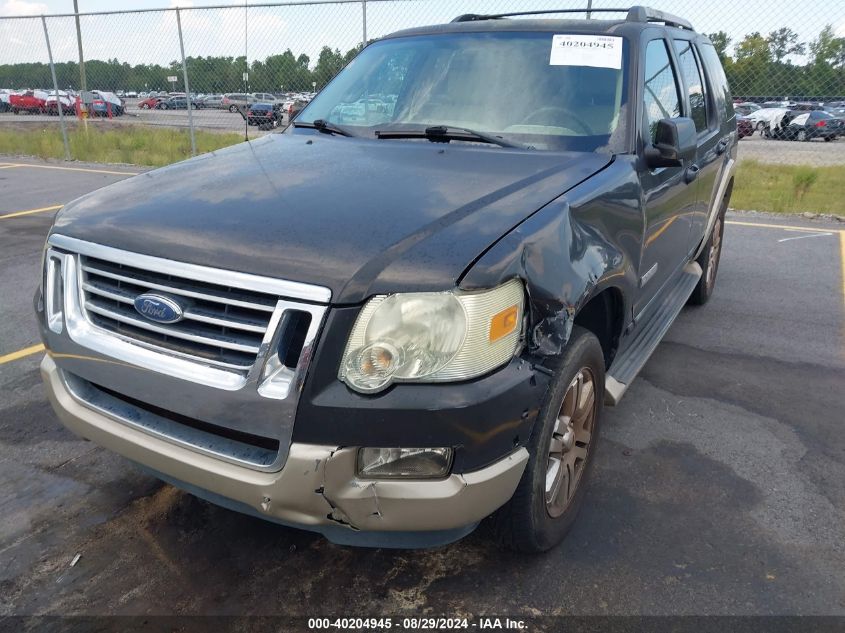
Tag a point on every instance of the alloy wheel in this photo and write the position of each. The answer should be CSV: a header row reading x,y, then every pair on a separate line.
x,y
713,255
570,442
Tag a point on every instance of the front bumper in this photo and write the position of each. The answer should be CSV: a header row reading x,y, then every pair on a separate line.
x,y
317,489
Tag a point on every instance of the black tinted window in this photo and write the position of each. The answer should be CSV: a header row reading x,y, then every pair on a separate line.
x,y
660,92
716,74
695,84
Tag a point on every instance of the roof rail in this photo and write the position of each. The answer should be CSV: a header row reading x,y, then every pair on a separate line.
x,y
647,14
634,14
472,17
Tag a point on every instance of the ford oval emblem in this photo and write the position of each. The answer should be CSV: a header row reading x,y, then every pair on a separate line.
x,y
158,308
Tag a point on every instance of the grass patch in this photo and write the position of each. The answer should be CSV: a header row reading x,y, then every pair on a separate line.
x,y
788,188
137,145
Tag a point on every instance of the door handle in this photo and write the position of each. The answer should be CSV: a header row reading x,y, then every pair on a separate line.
x,y
721,147
691,173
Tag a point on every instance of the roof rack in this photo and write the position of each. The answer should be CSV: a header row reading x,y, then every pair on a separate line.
x,y
634,14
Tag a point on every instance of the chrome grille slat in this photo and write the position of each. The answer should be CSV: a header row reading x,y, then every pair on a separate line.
x,y
187,293
233,331
195,314
169,331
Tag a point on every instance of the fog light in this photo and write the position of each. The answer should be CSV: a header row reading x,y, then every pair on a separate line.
x,y
410,463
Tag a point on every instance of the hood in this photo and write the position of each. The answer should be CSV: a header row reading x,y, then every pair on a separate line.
x,y
359,216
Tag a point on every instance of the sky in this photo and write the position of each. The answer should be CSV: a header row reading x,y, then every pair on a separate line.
x,y
152,37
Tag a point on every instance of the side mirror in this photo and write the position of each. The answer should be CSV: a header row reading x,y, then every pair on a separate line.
x,y
674,142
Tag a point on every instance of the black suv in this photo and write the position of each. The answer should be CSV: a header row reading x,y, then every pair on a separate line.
x,y
404,313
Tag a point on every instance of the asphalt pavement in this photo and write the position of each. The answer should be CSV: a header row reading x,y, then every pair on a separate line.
x,y
719,486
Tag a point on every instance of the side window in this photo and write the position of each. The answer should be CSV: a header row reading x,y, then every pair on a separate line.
x,y
718,80
695,84
660,90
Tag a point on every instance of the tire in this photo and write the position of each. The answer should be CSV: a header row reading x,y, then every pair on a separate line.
x,y
709,260
233,108
761,126
145,106
530,522
164,106
802,136
828,139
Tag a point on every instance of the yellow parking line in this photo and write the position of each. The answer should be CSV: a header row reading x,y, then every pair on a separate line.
x,y
786,227
27,351
86,169
842,259
31,211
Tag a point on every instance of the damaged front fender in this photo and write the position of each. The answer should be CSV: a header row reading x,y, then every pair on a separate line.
x,y
567,253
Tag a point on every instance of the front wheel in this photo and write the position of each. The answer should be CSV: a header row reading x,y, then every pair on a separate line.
x,y
562,450
801,136
233,108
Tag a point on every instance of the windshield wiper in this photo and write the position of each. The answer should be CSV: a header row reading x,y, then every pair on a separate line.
x,y
323,126
446,133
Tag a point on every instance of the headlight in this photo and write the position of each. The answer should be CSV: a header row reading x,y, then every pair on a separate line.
x,y
432,337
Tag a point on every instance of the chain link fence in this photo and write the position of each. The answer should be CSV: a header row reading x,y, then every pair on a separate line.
x,y
192,72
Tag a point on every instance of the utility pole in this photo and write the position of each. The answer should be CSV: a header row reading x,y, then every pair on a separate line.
x,y
83,85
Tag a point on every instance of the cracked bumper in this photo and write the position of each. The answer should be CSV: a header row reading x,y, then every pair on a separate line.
x,y
317,489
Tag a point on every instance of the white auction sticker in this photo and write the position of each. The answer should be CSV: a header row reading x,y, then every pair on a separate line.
x,y
599,51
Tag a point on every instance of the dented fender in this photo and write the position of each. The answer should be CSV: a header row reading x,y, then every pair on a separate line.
x,y
572,249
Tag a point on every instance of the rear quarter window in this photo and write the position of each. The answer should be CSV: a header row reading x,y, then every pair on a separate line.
x,y
718,80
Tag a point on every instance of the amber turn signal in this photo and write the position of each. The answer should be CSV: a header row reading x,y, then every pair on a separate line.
x,y
503,323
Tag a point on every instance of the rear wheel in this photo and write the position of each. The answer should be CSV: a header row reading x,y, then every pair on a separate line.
x,y
233,108
802,135
709,261
561,448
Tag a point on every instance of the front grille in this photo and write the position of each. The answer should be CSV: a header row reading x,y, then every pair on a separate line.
x,y
222,326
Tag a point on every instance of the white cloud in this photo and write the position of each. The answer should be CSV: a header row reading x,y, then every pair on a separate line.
x,y
23,7
840,30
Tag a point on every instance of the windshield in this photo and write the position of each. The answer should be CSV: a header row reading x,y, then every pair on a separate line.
x,y
513,85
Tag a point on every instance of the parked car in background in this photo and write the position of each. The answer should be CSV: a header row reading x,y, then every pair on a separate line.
x,y
28,101
836,109
761,118
68,103
176,103
106,103
5,95
212,101
234,101
263,114
744,126
292,108
149,103
816,124
746,108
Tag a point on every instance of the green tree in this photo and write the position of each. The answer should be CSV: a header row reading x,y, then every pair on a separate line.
x,y
721,41
784,42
